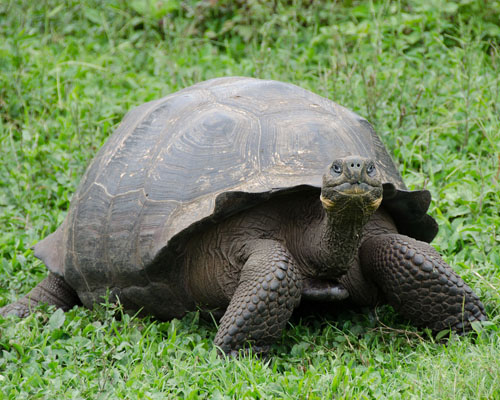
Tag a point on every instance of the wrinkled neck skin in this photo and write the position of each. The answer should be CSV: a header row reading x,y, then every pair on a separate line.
x,y
337,241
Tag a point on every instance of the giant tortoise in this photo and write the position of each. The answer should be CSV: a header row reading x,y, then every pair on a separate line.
x,y
245,197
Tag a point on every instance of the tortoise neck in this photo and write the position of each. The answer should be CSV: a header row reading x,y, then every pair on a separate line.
x,y
338,240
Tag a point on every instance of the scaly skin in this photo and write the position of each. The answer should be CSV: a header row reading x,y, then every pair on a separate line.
x,y
268,292
52,290
414,279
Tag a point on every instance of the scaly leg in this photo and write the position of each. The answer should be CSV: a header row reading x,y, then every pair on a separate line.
x,y
53,290
414,279
268,291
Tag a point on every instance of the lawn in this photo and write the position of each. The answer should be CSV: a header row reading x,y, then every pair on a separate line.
x,y
426,73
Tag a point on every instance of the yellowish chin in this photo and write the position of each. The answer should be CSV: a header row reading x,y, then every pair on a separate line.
x,y
327,203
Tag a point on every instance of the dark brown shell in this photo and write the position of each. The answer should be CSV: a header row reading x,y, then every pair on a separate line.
x,y
202,154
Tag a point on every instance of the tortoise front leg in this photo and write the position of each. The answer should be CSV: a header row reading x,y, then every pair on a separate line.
x,y
415,280
53,290
268,291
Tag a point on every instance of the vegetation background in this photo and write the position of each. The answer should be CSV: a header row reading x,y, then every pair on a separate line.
x,y
426,73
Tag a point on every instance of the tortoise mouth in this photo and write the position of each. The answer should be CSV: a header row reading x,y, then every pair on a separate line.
x,y
354,189
358,194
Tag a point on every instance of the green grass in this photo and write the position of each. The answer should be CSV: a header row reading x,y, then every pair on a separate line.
x,y
426,73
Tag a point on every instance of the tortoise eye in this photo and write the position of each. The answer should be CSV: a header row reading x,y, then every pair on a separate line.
x,y
337,168
371,169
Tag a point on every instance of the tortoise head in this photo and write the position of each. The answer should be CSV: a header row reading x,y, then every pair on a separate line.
x,y
351,183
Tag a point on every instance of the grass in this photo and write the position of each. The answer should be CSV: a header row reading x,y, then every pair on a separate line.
x,y
426,73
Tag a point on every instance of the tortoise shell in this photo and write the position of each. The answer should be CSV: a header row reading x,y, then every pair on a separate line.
x,y
198,156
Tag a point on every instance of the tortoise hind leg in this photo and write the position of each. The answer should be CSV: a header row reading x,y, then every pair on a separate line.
x,y
416,281
53,290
